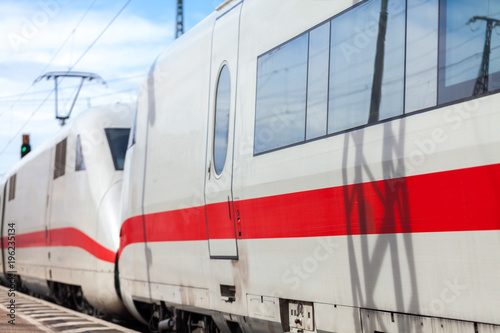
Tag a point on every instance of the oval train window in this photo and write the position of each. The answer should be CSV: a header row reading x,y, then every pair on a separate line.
x,y
222,105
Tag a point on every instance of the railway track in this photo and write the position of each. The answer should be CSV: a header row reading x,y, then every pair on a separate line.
x,y
25,313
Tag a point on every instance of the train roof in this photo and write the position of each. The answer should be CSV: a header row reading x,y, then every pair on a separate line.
x,y
115,115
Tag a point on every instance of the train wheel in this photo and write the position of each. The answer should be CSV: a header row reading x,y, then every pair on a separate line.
x,y
61,293
87,308
154,320
55,292
201,324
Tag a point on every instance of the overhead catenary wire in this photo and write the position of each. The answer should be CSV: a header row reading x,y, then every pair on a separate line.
x,y
71,67
68,38
53,57
100,35
7,98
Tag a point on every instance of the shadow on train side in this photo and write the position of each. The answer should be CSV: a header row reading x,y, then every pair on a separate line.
x,y
378,219
377,212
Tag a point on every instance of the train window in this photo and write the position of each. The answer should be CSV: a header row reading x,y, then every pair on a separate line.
x,y
281,96
421,55
367,65
117,140
327,80
12,187
79,163
317,81
60,159
222,107
469,50
378,60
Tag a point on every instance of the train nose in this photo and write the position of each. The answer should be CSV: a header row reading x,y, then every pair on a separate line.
x,y
102,292
108,222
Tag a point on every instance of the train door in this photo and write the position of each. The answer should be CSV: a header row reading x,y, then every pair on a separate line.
x,y
219,173
48,208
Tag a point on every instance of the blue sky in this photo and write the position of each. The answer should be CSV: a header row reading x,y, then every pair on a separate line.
x,y
38,36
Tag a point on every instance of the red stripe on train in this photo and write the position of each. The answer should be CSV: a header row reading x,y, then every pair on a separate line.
x,y
457,200
63,237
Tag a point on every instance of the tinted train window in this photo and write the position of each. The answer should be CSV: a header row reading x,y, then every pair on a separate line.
x,y
12,187
421,54
80,162
342,74
469,52
317,81
367,65
222,107
281,96
60,159
118,139
376,61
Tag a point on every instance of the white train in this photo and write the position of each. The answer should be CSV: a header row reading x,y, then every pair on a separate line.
x,y
59,212
294,166
319,166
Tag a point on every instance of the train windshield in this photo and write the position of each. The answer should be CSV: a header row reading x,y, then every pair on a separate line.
x,y
118,140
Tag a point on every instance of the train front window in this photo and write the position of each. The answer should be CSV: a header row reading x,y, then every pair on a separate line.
x,y
118,140
469,50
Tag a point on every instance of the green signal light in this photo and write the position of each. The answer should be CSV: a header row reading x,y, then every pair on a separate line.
x,y
24,149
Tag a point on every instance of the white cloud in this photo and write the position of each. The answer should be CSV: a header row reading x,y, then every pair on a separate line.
x,y
30,35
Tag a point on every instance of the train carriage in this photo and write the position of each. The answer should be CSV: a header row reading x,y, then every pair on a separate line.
x,y
61,207
293,166
319,166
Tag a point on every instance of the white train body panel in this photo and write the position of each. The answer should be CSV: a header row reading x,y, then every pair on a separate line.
x,y
66,226
396,219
